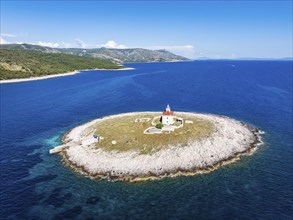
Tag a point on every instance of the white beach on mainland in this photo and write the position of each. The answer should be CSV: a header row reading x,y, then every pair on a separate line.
x,y
56,75
229,140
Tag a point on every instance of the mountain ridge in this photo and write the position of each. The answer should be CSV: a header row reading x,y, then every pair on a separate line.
x,y
120,56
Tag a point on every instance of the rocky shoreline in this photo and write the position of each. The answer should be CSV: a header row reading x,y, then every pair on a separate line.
x,y
230,140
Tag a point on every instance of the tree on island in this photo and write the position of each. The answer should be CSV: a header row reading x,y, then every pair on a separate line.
x,y
159,125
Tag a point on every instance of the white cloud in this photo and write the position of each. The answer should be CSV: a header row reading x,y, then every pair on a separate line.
x,y
3,41
7,35
183,50
112,44
48,44
65,45
62,44
80,43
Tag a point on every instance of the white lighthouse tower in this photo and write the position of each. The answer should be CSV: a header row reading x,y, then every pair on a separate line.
x,y
167,117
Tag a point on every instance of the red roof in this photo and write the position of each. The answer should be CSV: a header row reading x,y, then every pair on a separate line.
x,y
168,113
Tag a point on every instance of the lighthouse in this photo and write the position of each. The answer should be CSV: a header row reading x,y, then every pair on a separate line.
x,y
167,117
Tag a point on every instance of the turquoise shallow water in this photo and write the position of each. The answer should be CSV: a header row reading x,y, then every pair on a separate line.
x,y
35,115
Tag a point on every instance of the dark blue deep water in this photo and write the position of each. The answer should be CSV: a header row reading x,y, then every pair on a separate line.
x,y
35,115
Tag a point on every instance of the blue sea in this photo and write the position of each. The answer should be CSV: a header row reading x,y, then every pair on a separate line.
x,y
35,115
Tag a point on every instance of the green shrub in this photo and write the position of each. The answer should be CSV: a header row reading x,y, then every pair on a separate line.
x,y
159,125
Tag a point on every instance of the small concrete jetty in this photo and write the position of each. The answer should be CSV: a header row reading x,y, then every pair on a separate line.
x,y
57,149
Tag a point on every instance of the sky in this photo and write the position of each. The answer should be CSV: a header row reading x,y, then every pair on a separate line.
x,y
214,29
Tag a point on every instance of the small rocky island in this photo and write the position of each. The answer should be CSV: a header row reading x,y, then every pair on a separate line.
x,y
151,145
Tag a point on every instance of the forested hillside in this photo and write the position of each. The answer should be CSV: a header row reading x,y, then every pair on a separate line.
x,y
15,63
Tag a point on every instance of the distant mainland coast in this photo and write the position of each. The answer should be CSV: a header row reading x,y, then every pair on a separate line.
x,y
141,146
56,75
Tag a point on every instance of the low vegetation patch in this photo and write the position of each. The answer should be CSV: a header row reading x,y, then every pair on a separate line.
x,y
159,125
129,135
